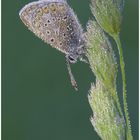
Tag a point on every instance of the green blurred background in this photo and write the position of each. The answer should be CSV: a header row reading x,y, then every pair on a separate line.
x,y
38,101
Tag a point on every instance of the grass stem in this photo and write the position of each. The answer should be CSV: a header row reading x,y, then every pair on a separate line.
x,y
122,65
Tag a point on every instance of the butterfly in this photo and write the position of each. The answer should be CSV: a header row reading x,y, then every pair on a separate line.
x,y
56,24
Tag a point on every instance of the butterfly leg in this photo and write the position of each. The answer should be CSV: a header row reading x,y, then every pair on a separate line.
x,y
83,60
73,81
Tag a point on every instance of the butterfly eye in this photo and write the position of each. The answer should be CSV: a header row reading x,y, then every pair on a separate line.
x,y
71,59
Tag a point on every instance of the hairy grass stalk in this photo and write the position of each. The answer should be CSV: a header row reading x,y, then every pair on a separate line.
x,y
108,15
122,65
107,119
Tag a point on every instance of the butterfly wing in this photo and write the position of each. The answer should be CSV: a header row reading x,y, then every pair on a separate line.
x,y
54,22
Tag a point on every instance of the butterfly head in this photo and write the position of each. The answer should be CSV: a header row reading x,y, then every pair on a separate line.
x,y
76,51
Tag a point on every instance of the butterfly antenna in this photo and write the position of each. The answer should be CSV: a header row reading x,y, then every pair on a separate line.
x,y
73,81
